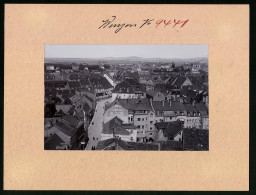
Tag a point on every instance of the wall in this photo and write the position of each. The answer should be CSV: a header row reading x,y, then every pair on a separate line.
x,y
116,110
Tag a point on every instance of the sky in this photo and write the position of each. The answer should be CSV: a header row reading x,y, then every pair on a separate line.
x,y
145,51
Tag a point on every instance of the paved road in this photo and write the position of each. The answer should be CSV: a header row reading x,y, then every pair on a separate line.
x,y
95,129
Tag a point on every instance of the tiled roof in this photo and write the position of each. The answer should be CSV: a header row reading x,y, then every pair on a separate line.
x,y
171,145
179,81
195,139
85,82
72,120
129,86
169,128
125,145
74,84
175,106
114,126
135,104
131,74
198,107
170,80
52,142
65,128
143,146
100,82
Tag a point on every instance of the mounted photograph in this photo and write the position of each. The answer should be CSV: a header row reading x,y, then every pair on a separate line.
x,y
126,97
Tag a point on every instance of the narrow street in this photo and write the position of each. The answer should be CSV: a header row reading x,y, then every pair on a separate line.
x,y
95,128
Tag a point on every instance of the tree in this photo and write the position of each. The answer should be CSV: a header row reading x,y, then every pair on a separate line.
x,y
67,101
56,100
49,110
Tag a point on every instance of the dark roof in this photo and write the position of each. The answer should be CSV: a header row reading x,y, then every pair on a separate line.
x,y
65,128
179,81
198,107
160,87
171,145
74,84
85,82
129,86
195,139
52,142
60,113
131,74
50,92
170,80
72,120
169,128
114,126
133,104
175,106
108,144
143,146
87,108
100,82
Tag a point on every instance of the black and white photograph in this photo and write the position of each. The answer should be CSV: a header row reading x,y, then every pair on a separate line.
x,y
126,97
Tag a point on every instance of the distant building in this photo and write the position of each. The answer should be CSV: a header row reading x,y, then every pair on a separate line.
x,y
129,89
101,86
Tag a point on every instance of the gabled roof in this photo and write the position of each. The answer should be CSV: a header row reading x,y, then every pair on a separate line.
x,y
72,120
179,81
65,128
169,128
132,104
114,126
52,142
109,145
175,106
100,82
129,86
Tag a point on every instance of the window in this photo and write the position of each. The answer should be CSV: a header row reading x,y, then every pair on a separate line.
x,y
151,128
151,122
138,126
151,115
142,127
138,119
142,119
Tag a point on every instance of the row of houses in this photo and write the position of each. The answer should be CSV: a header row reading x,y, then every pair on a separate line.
x,y
192,140
144,114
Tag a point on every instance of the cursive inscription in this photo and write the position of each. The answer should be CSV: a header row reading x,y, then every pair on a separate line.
x,y
110,24
118,26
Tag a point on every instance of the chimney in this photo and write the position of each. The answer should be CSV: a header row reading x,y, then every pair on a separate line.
x,y
163,103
